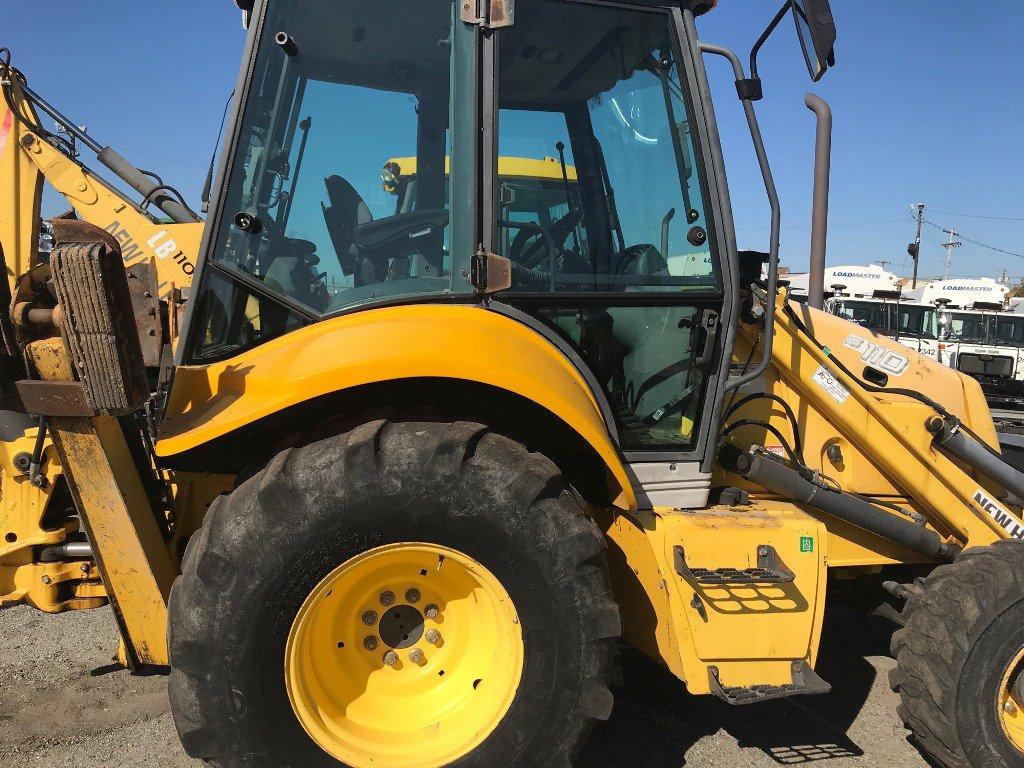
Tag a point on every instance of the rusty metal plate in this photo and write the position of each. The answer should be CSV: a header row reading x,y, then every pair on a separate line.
x,y
53,398
500,13
146,309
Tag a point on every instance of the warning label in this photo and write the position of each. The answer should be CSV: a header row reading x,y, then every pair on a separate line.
x,y
827,381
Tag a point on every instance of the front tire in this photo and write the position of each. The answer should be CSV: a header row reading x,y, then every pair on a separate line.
x,y
960,660
276,660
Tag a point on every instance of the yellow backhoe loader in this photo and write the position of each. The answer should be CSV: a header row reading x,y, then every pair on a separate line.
x,y
416,470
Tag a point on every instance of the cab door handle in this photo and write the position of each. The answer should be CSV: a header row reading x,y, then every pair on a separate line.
x,y
709,323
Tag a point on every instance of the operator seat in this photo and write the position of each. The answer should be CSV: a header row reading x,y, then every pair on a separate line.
x,y
346,212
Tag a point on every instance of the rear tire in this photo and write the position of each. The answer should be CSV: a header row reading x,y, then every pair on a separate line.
x,y
961,648
321,504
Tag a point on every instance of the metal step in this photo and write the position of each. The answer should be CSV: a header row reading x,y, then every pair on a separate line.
x,y
806,682
770,570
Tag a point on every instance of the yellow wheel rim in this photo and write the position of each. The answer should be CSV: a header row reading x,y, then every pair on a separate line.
x,y
406,656
1011,702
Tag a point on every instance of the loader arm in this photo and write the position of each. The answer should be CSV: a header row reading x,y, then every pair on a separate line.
x,y
813,358
26,160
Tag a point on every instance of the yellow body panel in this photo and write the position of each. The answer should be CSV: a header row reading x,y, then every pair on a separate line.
x,y
49,587
456,342
752,634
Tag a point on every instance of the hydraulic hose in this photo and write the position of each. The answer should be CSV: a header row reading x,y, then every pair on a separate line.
x,y
773,475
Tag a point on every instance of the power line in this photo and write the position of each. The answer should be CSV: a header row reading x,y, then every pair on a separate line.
x,y
991,247
979,216
976,242
162,157
831,226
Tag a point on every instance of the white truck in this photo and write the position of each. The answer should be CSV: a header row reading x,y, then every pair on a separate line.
x,y
988,344
855,282
983,329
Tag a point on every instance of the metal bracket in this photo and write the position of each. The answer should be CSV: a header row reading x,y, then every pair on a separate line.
x,y
490,272
54,398
490,14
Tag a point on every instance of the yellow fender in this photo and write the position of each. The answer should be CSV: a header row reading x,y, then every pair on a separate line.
x,y
436,341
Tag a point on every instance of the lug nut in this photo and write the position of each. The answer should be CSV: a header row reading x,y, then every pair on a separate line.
x,y
412,596
433,637
46,579
370,618
416,656
431,611
391,658
387,598
1010,708
370,643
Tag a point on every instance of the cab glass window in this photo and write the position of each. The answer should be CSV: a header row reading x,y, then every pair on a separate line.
x,y
1011,331
598,122
340,91
641,356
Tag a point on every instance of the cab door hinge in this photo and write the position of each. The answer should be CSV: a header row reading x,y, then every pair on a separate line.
x,y
490,14
490,272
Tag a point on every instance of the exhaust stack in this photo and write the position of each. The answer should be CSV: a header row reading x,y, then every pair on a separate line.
x,y
819,210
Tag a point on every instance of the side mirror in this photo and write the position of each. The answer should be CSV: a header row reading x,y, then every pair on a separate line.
x,y
245,6
817,32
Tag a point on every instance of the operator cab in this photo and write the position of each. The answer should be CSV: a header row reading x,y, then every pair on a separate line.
x,y
584,159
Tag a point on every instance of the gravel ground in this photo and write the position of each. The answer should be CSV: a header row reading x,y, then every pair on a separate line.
x,y
62,705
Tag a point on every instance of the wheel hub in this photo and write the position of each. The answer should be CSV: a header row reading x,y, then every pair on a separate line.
x,y
401,627
407,655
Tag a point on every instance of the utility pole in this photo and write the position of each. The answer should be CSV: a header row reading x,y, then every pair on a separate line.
x,y
883,262
949,246
914,249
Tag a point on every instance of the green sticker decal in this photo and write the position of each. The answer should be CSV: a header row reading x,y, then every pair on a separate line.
x,y
806,543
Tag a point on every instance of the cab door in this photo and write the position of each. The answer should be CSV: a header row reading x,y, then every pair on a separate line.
x,y
632,276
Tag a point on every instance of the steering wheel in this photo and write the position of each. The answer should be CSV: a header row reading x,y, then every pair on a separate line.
x,y
530,254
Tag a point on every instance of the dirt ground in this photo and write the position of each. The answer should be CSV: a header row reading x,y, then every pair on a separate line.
x,y
62,705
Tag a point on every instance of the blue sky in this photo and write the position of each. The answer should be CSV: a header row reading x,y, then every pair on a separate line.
x,y
927,102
